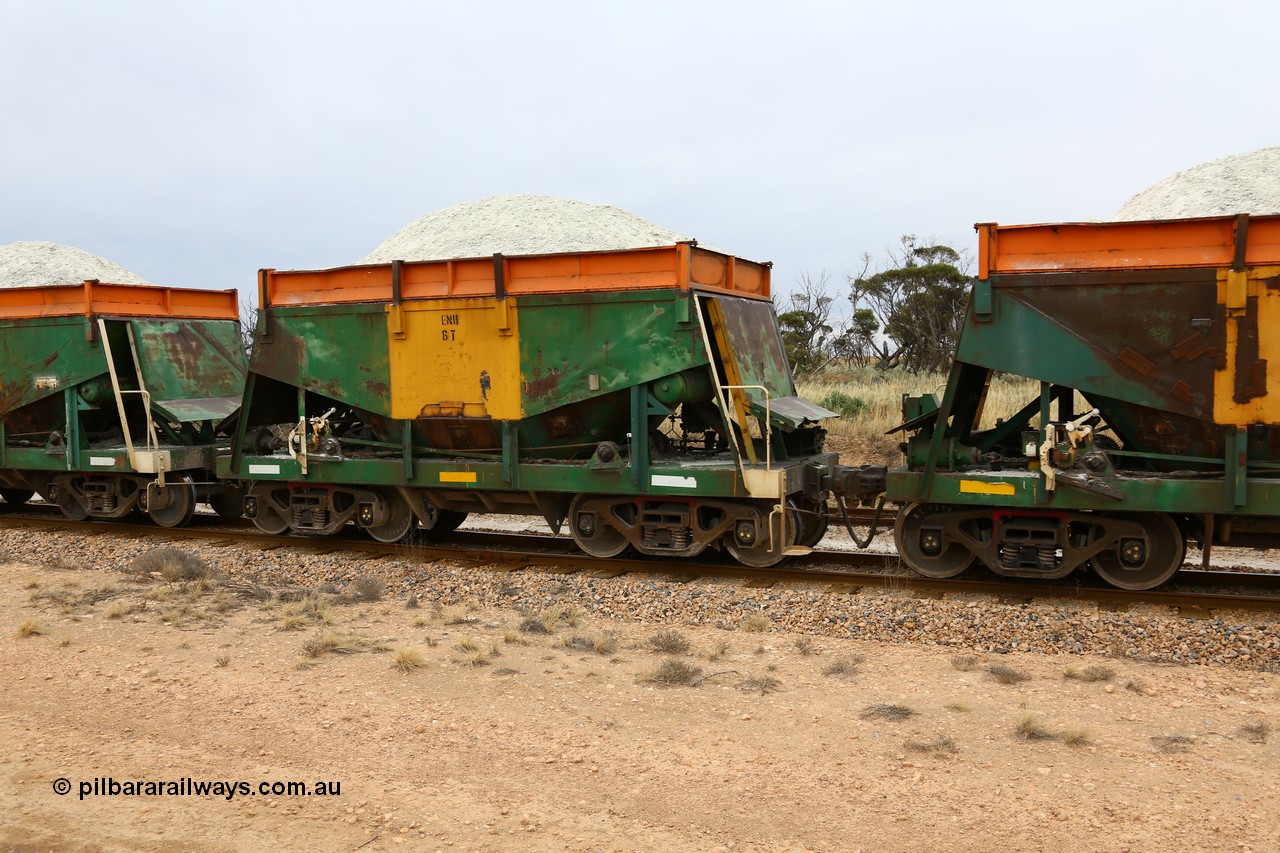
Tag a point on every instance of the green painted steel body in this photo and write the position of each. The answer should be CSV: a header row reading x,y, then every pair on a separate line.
x,y
59,407
582,358
1177,436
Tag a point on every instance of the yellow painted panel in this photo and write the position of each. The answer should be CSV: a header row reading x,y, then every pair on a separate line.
x,y
455,357
978,487
457,476
1264,409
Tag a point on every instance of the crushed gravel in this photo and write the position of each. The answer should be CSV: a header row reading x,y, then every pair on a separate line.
x,y
520,225
1242,183
35,263
964,622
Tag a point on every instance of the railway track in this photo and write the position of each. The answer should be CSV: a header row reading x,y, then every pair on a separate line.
x,y
1196,593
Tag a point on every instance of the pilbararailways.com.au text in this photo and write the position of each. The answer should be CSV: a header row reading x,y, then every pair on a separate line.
x,y
106,786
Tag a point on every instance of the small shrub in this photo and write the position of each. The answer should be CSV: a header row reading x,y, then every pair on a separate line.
x,y
843,666
806,646
222,660
1258,731
674,671
407,660
367,588
895,711
1137,685
1172,743
668,641
844,405
965,663
171,565
1007,674
411,602
959,707
757,624
1030,727
941,746
718,650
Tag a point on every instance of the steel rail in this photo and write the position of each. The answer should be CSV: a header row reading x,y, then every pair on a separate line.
x,y
520,551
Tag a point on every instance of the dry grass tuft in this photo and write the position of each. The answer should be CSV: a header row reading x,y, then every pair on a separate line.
x,y
1005,674
1138,686
1089,673
1077,737
552,619
333,642
31,628
960,707
673,671
756,624
1030,727
121,609
1172,743
806,646
513,638
668,642
467,645
1258,731
718,650
171,565
894,711
459,616
844,666
965,663
407,660
941,746
761,684
367,587
222,660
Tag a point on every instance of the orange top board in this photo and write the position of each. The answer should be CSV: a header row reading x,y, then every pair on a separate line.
x,y
117,300
683,266
1155,244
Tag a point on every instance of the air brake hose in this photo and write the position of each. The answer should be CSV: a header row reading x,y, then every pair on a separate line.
x,y
848,525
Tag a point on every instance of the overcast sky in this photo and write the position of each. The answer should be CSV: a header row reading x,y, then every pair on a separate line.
x,y
194,143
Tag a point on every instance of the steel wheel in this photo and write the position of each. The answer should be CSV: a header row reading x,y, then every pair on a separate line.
x,y
71,507
922,542
400,520
592,533
1143,562
813,521
762,558
228,503
440,520
16,497
173,505
269,521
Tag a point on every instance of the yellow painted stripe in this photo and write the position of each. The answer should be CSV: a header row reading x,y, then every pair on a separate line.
x,y
466,477
978,487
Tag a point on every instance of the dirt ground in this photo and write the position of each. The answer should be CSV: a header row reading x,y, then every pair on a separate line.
x,y
504,739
